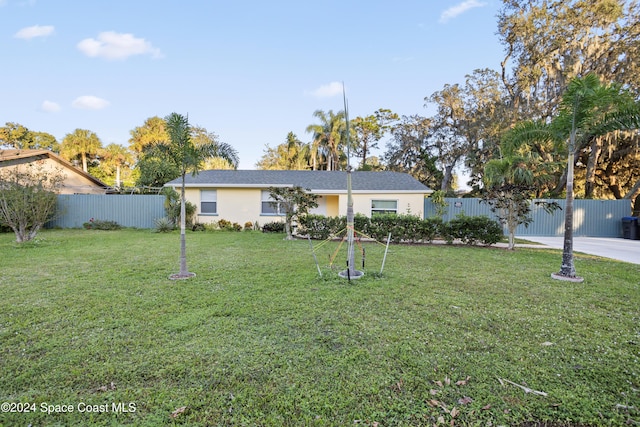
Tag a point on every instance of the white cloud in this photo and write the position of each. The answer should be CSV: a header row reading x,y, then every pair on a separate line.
x,y
328,90
112,45
459,9
50,107
28,33
89,102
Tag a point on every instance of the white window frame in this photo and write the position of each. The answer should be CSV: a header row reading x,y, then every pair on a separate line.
x,y
383,210
208,196
275,210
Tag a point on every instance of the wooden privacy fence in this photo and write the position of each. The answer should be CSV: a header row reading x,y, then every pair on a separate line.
x,y
139,211
593,218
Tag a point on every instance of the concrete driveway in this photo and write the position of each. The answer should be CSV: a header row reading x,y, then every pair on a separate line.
x,y
619,249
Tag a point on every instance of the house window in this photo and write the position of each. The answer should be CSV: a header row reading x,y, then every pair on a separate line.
x,y
269,206
379,207
208,202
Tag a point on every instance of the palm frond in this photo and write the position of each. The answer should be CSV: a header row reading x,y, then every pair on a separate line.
x,y
524,135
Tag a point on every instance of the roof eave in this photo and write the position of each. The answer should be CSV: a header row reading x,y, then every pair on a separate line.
x,y
312,190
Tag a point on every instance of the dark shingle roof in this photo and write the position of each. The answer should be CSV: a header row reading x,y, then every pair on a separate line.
x,y
314,180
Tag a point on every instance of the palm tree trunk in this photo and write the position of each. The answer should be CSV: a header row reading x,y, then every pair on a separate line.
x,y
118,176
183,231
568,268
512,224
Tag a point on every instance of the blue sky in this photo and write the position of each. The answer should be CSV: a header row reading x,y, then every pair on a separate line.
x,y
249,71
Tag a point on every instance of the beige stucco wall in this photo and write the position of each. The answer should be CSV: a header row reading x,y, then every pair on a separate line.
x,y
333,205
239,205
243,205
407,203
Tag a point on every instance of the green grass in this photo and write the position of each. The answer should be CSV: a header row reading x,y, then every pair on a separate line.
x,y
258,338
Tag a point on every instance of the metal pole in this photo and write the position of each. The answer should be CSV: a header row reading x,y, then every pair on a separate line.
x,y
314,256
385,253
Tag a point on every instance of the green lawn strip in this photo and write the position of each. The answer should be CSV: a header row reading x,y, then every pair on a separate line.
x,y
258,338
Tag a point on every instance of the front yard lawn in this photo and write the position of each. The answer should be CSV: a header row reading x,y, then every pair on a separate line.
x,y
92,330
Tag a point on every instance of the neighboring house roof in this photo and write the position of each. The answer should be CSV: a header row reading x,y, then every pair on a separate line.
x,y
11,156
316,181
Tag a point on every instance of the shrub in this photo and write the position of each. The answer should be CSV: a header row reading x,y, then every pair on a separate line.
x,y
224,224
172,207
163,225
407,228
474,229
430,228
382,225
489,232
211,226
248,225
227,225
273,227
362,223
314,226
96,224
198,227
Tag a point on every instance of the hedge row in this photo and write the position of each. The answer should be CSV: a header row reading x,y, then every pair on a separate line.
x,y
406,228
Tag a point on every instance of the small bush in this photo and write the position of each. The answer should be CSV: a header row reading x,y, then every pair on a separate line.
x,y
172,207
96,224
248,225
163,225
273,227
198,227
211,226
227,225
224,224
474,229
489,232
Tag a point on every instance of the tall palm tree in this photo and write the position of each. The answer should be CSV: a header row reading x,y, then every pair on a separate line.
x,y
589,109
115,156
188,157
329,136
297,153
81,143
